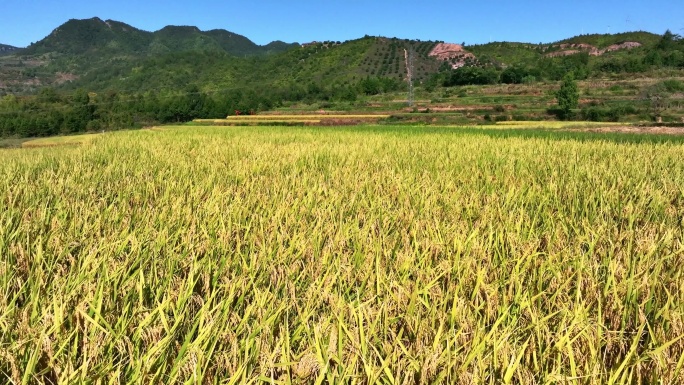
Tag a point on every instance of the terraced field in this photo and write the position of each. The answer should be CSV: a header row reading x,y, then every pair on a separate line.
x,y
300,119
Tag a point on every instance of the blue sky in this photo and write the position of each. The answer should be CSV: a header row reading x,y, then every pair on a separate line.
x,y
25,21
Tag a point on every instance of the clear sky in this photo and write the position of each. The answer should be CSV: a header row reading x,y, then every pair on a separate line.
x,y
26,21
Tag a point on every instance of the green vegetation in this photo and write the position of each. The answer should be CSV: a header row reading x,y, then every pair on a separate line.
x,y
604,40
99,55
367,254
50,113
568,96
95,37
538,60
515,250
134,78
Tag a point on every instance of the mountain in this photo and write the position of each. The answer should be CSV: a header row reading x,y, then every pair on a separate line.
x,y
8,49
105,54
100,55
95,36
511,53
319,63
109,48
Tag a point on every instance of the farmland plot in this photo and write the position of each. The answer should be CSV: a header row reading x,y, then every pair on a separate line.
x,y
366,255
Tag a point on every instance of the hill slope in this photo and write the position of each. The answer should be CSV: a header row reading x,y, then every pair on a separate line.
x,y
109,55
7,49
112,49
511,53
602,41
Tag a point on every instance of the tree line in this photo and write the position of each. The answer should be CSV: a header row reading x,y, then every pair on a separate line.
x,y
51,113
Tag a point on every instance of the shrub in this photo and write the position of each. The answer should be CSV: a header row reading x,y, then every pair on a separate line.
x,y
673,85
613,114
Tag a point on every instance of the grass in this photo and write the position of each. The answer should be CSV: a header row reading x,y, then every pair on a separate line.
x,y
339,255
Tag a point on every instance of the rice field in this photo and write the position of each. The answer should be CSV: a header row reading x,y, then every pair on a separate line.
x,y
552,124
70,140
299,119
366,255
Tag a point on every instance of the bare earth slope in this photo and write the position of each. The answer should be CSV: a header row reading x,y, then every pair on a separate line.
x,y
453,53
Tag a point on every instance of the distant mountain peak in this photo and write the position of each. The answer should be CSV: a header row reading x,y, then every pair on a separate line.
x,y
183,28
83,36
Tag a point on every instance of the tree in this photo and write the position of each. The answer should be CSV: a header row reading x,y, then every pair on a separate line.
x,y
48,95
658,97
514,75
471,75
79,114
568,95
668,41
370,86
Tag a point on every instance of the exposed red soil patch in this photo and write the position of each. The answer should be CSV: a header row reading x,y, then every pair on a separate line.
x,y
62,77
566,52
452,108
450,52
571,49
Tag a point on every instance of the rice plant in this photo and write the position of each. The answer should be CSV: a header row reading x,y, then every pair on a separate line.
x,y
327,255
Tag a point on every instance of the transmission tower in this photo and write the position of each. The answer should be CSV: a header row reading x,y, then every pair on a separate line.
x,y
409,55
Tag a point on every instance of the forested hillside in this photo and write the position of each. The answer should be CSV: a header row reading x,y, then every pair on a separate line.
x,y
86,38
99,55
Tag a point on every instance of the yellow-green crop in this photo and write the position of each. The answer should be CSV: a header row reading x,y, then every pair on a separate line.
x,y
361,255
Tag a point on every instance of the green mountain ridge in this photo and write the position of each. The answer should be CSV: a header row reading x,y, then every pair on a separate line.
x,y
99,55
89,36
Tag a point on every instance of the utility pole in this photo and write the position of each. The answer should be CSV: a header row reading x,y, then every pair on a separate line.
x,y
409,56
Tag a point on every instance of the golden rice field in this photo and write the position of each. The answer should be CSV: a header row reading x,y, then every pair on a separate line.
x,y
71,140
300,119
361,255
258,122
548,125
